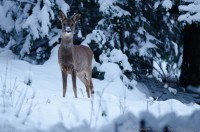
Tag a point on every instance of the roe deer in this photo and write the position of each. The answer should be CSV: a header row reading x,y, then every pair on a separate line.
x,y
74,59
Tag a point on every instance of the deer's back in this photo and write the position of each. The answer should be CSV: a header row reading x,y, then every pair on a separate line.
x,y
83,56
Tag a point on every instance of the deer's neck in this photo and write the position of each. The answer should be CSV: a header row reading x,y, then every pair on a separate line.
x,y
67,43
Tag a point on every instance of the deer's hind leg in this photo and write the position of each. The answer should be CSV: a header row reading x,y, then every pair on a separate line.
x,y
89,77
82,76
91,87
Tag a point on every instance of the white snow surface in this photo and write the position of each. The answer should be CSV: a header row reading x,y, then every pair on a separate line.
x,y
97,35
143,51
63,6
41,105
117,56
108,6
6,20
167,4
156,4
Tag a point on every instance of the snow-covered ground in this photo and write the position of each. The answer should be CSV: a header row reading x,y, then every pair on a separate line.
x,y
41,105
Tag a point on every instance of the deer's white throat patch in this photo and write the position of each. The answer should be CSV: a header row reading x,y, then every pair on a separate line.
x,y
68,34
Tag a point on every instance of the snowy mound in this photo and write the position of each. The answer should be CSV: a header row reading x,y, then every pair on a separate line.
x,y
41,105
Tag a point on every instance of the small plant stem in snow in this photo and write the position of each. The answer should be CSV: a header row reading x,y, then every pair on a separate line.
x,y
100,101
21,102
81,92
4,86
30,107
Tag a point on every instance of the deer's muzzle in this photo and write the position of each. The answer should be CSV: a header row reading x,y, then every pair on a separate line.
x,y
68,29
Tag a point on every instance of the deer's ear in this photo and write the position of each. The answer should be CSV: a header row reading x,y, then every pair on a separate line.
x,y
61,16
76,17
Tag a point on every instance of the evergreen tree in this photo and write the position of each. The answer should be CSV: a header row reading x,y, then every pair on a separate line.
x,y
190,69
29,28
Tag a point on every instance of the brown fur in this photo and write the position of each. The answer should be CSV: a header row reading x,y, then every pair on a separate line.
x,y
74,59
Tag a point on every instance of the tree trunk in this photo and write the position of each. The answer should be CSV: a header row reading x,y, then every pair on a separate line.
x,y
190,69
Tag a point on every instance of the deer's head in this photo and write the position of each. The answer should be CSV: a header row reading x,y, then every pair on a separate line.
x,y
68,24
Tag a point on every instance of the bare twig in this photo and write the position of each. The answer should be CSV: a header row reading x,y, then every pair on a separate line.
x,y
4,85
71,3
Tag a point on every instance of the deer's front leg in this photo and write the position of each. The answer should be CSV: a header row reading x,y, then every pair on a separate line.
x,y
64,80
74,82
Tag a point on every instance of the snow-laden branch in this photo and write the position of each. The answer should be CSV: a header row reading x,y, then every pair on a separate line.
x,y
191,12
27,1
